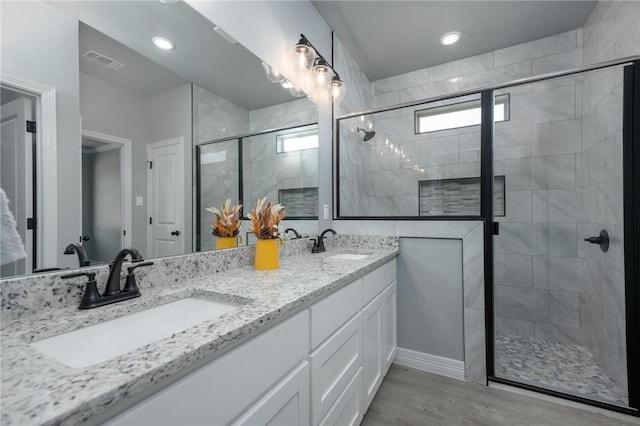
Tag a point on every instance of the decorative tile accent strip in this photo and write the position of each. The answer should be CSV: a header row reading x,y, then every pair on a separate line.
x,y
458,197
299,202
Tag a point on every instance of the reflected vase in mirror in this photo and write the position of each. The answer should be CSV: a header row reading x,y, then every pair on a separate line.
x,y
226,242
226,224
265,219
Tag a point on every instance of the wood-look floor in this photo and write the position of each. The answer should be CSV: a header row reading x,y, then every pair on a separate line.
x,y
413,397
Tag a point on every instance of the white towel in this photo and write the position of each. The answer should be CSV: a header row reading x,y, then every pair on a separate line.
x,y
11,247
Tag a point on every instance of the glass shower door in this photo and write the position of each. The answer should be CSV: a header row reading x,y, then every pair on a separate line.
x,y
559,281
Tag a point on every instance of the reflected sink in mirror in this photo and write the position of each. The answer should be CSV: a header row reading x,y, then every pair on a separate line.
x,y
101,342
347,256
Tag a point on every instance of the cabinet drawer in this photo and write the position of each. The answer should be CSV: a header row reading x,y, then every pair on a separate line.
x,y
333,365
221,390
334,310
348,409
375,282
286,404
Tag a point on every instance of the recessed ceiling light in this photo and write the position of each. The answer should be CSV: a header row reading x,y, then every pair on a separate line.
x,y
163,43
168,1
450,38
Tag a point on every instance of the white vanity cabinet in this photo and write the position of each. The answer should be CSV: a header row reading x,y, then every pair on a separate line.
x,y
346,373
322,366
220,391
379,327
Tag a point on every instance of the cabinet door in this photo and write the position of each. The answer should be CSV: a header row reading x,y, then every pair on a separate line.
x,y
390,330
286,404
372,351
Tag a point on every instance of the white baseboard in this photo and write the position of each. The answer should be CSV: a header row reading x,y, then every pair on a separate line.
x,y
430,363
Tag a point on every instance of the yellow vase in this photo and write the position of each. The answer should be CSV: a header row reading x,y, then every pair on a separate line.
x,y
226,242
268,254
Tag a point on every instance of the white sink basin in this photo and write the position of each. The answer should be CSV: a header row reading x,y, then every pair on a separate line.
x,y
348,256
110,339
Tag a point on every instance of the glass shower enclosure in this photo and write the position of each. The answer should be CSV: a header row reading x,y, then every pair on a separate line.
x,y
559,276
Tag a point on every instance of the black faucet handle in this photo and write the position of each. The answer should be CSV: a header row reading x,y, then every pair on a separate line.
x,y
138,264
91,294
90,275
130,285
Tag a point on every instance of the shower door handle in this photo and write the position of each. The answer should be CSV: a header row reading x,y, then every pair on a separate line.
x,y
602,240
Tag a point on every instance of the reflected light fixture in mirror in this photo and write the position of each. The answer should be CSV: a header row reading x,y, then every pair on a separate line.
x,y
163,43
452,37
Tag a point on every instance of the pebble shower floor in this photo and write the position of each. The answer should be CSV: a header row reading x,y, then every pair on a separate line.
x,y
569,369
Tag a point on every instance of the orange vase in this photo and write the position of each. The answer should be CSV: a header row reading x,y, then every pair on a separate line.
x,y
226,242
268,254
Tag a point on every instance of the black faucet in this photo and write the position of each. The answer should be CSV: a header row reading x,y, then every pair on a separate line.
x,y
92,297
318,244
78,250
113,282
297,235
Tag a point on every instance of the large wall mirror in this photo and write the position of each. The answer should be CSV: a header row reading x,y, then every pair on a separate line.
x,y
164,134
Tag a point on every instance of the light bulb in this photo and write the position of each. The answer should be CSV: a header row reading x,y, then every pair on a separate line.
x,y
336,86
321,78
304,52
335,91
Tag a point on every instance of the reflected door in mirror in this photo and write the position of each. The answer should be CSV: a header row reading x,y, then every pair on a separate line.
x,y
17,175
166,198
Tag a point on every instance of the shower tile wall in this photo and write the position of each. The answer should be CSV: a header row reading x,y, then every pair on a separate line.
x,y
288,114
612,31
214,117
380,187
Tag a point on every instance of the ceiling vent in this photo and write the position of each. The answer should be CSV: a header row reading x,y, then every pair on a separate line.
x,y
105,61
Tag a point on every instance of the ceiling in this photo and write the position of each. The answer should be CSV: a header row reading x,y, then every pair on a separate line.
x,y
201,56
389,38
139,74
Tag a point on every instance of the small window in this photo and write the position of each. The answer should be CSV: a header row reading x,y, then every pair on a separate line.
x,y
458,115
297,141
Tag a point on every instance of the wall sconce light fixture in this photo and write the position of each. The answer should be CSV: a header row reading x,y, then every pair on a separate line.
x,y
309,59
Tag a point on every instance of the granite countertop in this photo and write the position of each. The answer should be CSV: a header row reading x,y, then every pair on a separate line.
x,y
36,389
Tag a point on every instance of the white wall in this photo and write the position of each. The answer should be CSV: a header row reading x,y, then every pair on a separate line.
x,y
40,43
115,111
109,109
169,116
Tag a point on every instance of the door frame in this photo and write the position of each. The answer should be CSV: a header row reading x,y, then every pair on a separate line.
x,y
47,170
150,147
126,179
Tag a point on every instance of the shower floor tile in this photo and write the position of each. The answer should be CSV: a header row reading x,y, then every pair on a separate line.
x,y
564,368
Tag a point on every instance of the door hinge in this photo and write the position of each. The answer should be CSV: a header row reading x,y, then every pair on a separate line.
x,y
150,164
496,228
32,223
31,126
150,221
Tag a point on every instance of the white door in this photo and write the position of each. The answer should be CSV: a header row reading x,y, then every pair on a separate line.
x,y
166,198
16,175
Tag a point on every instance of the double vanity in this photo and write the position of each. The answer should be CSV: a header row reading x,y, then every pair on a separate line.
x,y
210,341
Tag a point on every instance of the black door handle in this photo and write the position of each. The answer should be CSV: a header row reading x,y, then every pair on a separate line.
x,y
175,233
602,240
